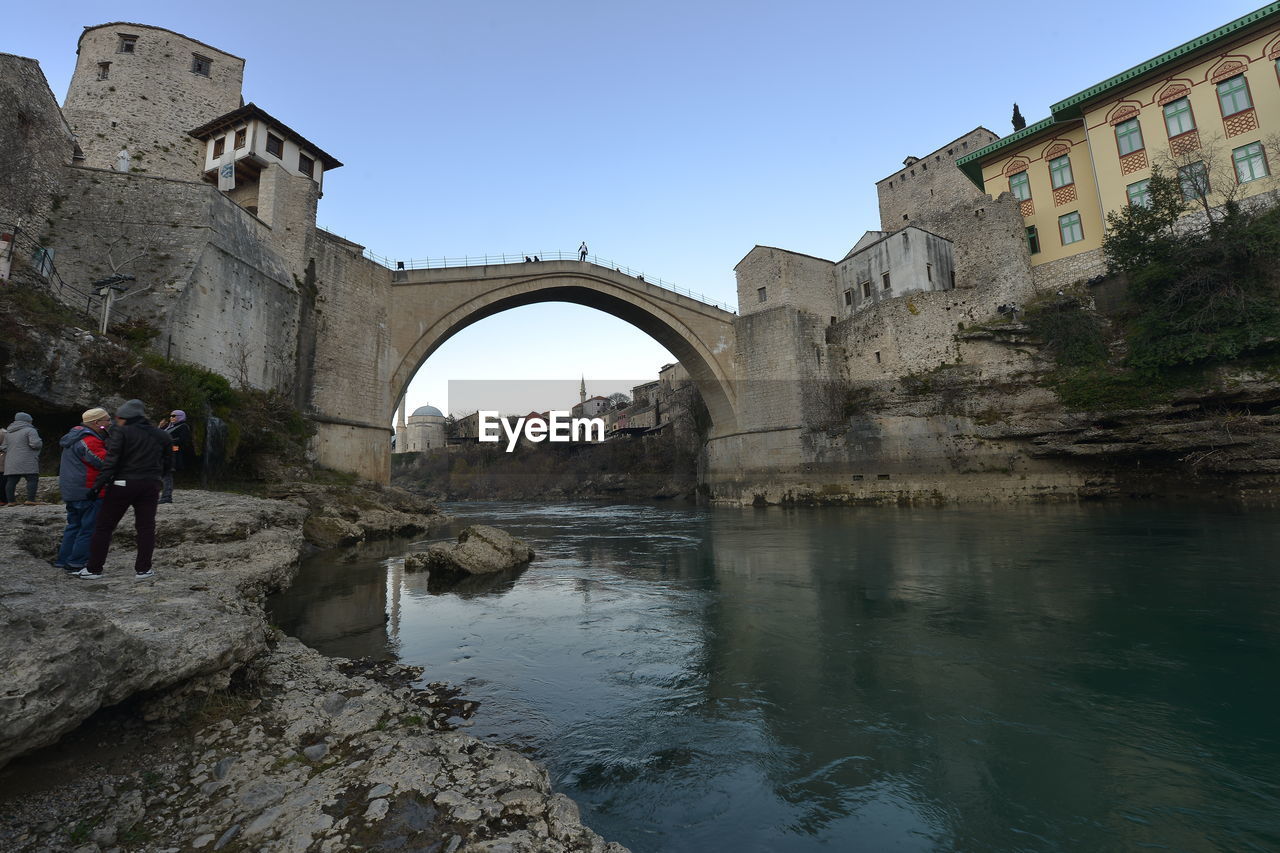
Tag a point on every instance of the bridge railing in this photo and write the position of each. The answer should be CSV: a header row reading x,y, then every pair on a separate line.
x,y
487,260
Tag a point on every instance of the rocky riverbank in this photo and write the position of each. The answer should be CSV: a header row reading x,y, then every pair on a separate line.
x,y
234,738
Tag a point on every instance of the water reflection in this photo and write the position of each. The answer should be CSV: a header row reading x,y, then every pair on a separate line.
x,y
1053,678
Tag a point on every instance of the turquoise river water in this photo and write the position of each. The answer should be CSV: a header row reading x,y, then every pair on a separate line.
x,y
1074,678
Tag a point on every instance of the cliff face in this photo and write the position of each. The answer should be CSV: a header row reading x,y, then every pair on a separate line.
x,y
1004,423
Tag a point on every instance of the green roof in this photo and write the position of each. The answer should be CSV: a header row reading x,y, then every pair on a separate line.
x,y
1072,108
973,169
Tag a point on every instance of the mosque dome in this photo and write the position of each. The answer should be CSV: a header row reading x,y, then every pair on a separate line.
x,y
426,411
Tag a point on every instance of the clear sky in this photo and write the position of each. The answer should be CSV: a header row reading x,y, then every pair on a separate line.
x,y
671,136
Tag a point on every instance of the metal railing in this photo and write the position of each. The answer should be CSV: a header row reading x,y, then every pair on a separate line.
x,y
43,266
528,257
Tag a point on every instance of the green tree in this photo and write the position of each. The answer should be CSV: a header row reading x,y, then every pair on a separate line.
x,y
1144,234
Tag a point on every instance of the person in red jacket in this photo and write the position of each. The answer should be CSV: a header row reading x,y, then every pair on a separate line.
x,y
138,458
84,452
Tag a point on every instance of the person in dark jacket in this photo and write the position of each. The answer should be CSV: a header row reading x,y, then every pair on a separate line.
x,y
138,458
84,452
21,458
180,443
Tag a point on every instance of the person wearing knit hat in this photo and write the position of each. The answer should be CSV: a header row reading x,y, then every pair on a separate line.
x,y
21,448
180,443
138,458
84,453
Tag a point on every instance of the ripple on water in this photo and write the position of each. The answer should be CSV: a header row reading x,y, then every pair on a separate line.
x,y
1002,679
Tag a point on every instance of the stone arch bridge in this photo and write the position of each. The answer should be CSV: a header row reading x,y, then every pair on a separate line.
x,y
426,307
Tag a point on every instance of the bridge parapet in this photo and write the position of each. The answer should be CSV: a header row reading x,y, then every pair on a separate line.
x,y
402,271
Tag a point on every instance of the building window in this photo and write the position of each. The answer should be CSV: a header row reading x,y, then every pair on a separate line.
x,y
1033,240
1129,137
241,135
885,279
866,290
1251,162
1140,193
848,297
1069,226
1178,118
928,271
202,65
1020,186
127,44
275,147
219,146
1233,95
306,165
104,70
760,294
1060,171
1194,180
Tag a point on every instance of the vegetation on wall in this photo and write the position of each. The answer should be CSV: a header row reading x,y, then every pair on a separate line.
x,y
120,365
1200,294
1201,291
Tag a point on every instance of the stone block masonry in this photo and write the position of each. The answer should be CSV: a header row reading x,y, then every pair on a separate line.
x,y
215,284
768,277
350,397
35,143
929,183
144,95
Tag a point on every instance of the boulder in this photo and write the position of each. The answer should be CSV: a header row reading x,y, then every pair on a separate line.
x,y
480,549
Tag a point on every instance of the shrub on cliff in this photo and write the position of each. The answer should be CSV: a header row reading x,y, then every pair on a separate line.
x,y
1201,291
1071,332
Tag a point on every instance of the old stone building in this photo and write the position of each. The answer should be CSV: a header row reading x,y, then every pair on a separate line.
x,y
422,431
122,180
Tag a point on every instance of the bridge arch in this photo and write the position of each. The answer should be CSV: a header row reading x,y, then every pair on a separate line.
x,y
428,307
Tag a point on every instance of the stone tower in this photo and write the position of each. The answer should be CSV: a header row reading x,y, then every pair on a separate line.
x,y
141,89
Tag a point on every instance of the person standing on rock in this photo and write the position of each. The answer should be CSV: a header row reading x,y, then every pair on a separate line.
x,y
21,449
180,444
84,452
138,459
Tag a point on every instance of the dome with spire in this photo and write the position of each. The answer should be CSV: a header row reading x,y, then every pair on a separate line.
x,y
426,411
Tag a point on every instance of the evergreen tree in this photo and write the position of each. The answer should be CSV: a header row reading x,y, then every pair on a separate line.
x,y
1018,121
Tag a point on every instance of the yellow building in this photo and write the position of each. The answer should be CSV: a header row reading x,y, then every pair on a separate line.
x,y
1209,109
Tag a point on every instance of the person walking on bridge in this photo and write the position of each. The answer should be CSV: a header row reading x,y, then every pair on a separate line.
x,y
582,252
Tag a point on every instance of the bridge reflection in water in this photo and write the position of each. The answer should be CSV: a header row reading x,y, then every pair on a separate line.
x,y
1051,678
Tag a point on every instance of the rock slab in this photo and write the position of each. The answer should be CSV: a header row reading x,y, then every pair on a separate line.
x,y
70,646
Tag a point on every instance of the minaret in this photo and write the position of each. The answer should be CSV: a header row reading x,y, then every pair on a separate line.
x,y
402,433
582,390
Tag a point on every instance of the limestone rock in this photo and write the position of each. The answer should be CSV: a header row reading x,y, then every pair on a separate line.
x,y
480,549
71,647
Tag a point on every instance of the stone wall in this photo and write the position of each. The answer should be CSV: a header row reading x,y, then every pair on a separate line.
x,y
350,400
209,275
35,144
788,278
782,362
1069,270
150,98
914,260
930,183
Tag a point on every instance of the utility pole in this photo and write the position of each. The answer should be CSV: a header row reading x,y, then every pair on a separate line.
x,y
108,288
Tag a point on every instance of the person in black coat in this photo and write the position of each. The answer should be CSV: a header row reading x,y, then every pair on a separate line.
x,y
180,443
138,460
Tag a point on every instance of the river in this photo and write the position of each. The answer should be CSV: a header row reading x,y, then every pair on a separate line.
x,y
1075,678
